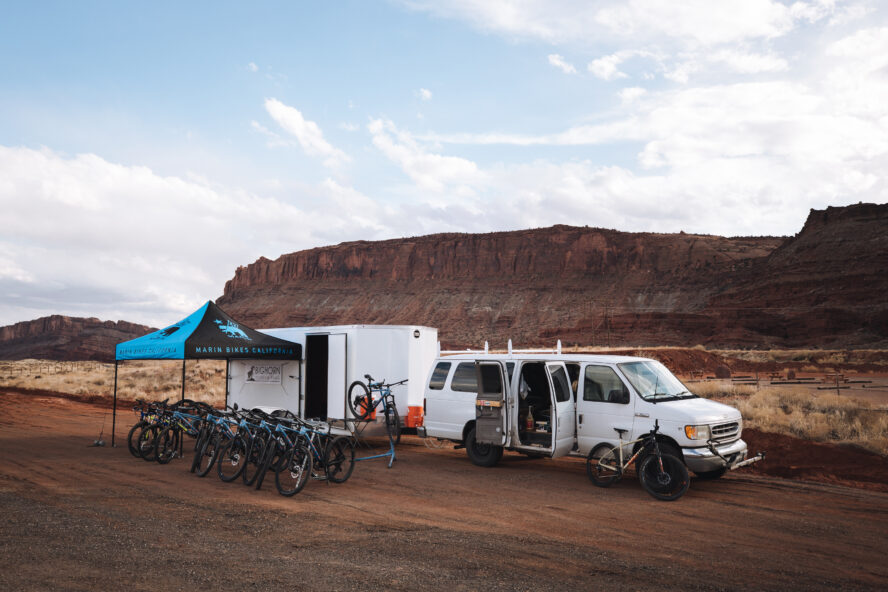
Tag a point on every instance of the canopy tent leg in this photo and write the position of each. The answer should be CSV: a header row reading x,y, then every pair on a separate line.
x,y
182,398
227,379
114,413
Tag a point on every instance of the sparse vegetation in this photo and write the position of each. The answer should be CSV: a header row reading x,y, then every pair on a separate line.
x,y
204,379
815,359
800,412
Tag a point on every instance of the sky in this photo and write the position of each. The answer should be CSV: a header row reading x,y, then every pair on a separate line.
x,y
149,149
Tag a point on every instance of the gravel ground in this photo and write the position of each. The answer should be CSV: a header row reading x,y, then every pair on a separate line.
x,y
82,518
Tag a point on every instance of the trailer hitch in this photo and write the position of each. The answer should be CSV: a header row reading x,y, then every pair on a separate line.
x,y
731,466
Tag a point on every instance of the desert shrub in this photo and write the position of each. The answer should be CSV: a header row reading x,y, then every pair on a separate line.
x,y
722,371
822,418
721,389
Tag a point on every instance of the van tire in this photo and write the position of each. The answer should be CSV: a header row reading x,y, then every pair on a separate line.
x,y
483,455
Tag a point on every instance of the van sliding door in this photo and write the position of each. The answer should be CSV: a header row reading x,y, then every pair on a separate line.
x,y
491,415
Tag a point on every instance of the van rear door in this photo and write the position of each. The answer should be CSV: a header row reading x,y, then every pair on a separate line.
x,y
564,426
491,417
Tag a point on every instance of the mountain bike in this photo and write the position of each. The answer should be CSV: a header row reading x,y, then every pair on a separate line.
x,y
662,475
363,399
184,420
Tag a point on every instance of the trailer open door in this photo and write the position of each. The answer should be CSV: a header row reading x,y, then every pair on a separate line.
x,y
491,405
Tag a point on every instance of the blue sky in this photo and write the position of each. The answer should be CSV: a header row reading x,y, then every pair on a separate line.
x,y
148,149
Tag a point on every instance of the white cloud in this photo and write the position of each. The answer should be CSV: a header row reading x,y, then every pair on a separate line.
x,y
690,22
273,140
632,93
867,48
749,63
559,62
424,94
86,237
606,67
252,67
429,171
306,132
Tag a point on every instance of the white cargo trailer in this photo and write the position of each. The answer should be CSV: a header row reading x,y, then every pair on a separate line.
x,y
334,357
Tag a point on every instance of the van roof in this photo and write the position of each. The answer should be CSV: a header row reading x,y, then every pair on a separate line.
x,y
544,357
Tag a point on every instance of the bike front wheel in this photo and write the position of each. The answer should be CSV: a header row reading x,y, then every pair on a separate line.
x,y
146,440
393,424
340,459
232,459
359,401
132,439
603,466
207,455
166,445
292,474
664,477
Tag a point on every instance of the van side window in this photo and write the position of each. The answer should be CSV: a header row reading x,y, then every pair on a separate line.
x,y
436,383
573,372
562,386
603,385
464,378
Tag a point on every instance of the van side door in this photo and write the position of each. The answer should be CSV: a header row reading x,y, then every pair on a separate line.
x,y
491,408
564,418
604,402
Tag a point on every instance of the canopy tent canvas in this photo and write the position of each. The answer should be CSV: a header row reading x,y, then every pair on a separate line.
x,y
207,333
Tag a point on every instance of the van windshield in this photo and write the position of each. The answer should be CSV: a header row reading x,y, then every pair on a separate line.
x,y
654,382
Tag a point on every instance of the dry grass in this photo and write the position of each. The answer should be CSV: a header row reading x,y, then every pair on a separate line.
x,y
815,357
151,380
799,412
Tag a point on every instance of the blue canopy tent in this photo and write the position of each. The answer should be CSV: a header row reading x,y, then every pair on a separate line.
x,y
208,333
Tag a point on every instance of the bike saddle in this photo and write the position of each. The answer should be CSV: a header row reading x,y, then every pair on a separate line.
x,y
621,431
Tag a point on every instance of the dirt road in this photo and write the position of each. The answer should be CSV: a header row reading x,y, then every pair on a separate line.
x,y
81,518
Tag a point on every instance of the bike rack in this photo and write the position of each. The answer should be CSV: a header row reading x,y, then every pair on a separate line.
x,y
355,432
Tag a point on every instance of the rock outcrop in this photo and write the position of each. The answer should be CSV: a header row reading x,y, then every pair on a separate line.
x,y
66,338
592,286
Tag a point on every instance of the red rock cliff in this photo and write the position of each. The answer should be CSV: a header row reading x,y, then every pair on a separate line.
x,y
66,338
824,286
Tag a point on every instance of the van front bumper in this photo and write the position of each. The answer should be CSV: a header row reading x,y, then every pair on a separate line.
x,y
701,460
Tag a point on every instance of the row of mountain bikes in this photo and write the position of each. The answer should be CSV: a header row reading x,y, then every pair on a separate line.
x,y
242,444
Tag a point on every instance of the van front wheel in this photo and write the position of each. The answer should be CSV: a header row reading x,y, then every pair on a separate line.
x,y
483,455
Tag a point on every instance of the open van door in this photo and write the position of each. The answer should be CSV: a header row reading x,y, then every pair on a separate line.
x,y
491,416
564,422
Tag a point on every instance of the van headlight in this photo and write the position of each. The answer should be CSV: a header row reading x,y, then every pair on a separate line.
x,y
697,432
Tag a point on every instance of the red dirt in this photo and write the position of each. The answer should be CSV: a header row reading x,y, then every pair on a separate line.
x,y
814,461
81,518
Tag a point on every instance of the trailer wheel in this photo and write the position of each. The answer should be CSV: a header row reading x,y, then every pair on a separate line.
x,y
483,455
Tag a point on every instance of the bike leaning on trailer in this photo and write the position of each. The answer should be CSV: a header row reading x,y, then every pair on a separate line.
x,y
363,399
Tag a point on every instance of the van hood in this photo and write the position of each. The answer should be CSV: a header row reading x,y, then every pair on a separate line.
x,y
698,411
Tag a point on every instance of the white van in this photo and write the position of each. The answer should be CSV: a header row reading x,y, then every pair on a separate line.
x,y
576,403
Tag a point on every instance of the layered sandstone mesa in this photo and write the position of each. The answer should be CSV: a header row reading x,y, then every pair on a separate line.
x,y
591,286
66,338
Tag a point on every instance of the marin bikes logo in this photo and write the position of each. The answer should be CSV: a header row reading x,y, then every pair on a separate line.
x,y
164,333
232,330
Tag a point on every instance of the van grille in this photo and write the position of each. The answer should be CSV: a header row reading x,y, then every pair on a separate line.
x,y
726,431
